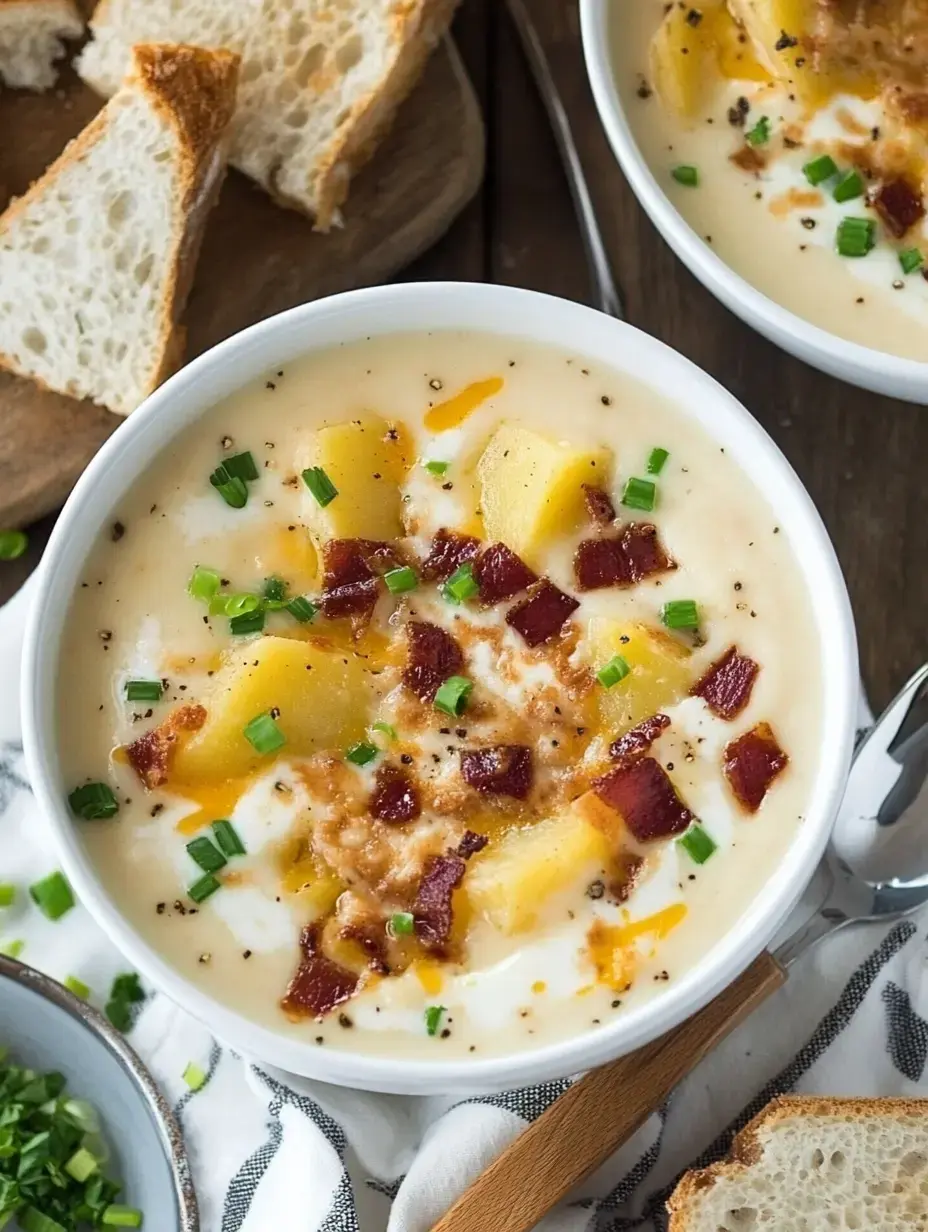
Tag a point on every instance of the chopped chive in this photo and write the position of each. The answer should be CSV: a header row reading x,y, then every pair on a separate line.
x,y
200,891
82,1165
436,468
194,1076
12,544
275,589
227,838
362,753
848,187
302,609
656,460
387,728
639,494
697,844
241,466
127,987
433,1015
232,489
680,614
320,485
119,1014
686,175
263,734
32,1220
116,1216
204,584
452,695
217,605
144,690
402,923
204,853
911,260
52,895
12,949
241,604
249,622
461,585
612,672
7,894
820,169
760,133
78,987
400,580
855,236
93,801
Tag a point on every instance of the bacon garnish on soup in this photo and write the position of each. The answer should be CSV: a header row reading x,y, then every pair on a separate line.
x,y
500,574
150,756
432,656
621,560
643,795
448,552
319,983
726,687
637,742
751,764
432,910
499,770
541,616
395,797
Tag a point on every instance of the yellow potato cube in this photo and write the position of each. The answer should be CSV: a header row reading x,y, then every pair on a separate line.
x,y
509,883
660,670
788,60
531,487
324,697
366,462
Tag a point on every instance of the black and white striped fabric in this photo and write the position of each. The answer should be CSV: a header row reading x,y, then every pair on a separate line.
x,y
273,1152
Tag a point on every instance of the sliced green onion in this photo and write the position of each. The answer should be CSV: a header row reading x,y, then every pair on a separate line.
x,y
241,604
760,133
820,169
402,923
612,672
200,891
302,609
127,987
144,690
119,1014
686,175
12,949
436,468
81,1165
232,489
275,589
116,1216
697,844
855,236
249,622
52,895
78,987
12,544
656,460
640,494
320,485
680,614
402,579
848,187
461,585
387,728
93,801
194,1076
227,838
32,1220
203,584
911,260
204,853
241,466
362,753
7,894
433,1016
452,695
263,734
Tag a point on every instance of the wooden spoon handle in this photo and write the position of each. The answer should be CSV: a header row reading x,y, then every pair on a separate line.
x,y
598,1114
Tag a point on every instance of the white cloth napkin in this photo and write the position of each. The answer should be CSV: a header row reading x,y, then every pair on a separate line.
x,y
273,1152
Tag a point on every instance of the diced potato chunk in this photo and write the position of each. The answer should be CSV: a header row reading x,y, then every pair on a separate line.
x,y
509,883
660,671
684,60
324,697
531,487
789,60
366,466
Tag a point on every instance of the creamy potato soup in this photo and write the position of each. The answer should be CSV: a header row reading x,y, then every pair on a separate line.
x,y
439,694
791,135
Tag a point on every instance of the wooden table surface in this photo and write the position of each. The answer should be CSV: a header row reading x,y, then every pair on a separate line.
x,y
860,455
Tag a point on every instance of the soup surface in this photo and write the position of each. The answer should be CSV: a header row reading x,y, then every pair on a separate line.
x,y
504,735
770,124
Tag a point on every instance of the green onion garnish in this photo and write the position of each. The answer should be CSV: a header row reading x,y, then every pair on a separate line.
x,y
686,175
680,614
452,695
911,260
848,187
362,753
200,891
461,585
81,1165
613,671
204,853
249,622
119,1013
436,468
12,949
264,735
274,589
52,895
144,690
302,609
387,728
820,169
400,580
12,544
640,494
855,236
232,488
204,584
656,460
697,844
432,1018
194,1076
93,801
116,1216
321,486
227,838
241,604
7,894
402,924
760,133
78,987
241,466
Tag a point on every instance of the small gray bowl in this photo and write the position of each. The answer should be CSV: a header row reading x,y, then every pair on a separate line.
x,y
47,1028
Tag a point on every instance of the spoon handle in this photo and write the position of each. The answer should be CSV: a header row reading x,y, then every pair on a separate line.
x,y
599,1113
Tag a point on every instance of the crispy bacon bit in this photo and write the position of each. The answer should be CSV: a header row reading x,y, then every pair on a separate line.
x,y
349,583
598,505
150,755
498,770
751,764
433,656
635,554
372,938
543,614
645,797
726,686
644,551
395,797
471,843
319,984
899,205
448,552
749,159
637,742
432,908
501,574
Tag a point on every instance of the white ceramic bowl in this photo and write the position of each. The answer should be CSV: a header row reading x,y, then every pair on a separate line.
x,y
863,366
385,310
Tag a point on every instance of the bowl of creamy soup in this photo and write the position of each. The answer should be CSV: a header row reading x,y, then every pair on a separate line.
x,y
440,687
781,148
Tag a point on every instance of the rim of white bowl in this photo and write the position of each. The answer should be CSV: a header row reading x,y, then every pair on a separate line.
x,y
417,307
848,361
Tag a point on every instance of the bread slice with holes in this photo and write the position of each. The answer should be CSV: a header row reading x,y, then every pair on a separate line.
x,y
97,258
32,34
321,79
809,1164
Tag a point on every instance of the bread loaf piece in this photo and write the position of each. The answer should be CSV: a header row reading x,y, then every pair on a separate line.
x,y
31,40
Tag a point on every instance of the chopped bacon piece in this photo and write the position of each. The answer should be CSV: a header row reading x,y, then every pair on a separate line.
x,y
448,552
319,984
751,764
471,843
638,741
641,792
644,551
372,938
433,656
150,756
498,770
726,686
598,505
634,554
432,908
349,583
395,796
899,205
501,574
543,614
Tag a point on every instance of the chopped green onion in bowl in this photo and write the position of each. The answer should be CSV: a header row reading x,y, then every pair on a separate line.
x,y
12,544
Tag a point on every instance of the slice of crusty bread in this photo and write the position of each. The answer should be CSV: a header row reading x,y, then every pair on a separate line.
x,y
809,1164
321,79
31,34
97,258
